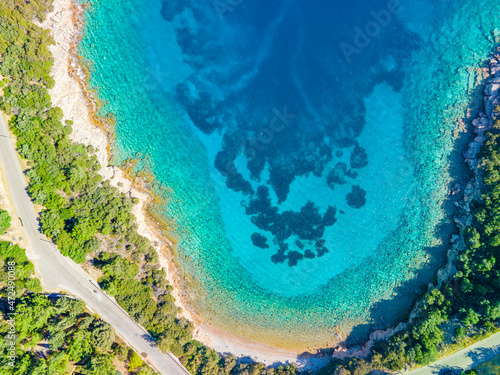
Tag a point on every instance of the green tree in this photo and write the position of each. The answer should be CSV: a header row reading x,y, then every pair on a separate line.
x,y
4,221
135,361
103,335
469,317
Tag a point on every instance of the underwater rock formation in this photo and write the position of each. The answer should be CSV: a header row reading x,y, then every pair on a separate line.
x,y
338,175
260,241
357,197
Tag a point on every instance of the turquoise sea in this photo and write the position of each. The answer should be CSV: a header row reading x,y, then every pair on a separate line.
x,y
302,148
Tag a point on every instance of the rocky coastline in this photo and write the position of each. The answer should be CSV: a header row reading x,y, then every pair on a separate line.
x,y
472,189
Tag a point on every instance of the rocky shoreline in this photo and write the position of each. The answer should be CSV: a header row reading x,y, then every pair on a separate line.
x,y
472,190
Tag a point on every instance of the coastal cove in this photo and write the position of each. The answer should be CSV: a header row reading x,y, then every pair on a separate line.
x,y
208,207
228,212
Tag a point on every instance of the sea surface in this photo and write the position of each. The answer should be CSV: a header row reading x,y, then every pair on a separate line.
x,y
302,148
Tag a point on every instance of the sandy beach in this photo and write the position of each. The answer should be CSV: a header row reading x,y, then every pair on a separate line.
x,y
70,94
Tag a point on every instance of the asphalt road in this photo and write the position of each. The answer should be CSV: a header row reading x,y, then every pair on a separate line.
x,y
465,359
59,272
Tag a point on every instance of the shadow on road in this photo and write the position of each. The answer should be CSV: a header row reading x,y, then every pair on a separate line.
x,y
149,339
482,355
478,357
444,369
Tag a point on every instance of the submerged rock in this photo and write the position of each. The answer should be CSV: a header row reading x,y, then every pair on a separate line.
x,y
359,158
279,257
294,257
260,241
495,66
338,175
309,254
357,197
321,250
329,218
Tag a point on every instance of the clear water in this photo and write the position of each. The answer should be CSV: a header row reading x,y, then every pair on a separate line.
x,y
303,165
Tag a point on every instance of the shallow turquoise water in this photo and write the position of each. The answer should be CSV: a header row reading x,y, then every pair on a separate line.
x,y
244,116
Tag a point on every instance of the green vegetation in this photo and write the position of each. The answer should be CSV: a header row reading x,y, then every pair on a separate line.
x,y
64,179
4,221
491,367
13,258
13,262
54,335
57,336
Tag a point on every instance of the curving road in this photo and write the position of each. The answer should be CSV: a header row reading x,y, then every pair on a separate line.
x,y
59,272
465,359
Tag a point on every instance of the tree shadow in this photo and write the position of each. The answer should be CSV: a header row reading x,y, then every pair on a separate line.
x,y
245,360
440,369
150,339
388,313
481,355
307,361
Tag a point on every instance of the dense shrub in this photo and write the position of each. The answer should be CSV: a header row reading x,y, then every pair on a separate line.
x,y
4,221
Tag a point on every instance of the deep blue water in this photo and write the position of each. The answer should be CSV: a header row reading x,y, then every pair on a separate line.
x,y
302,148
285,88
